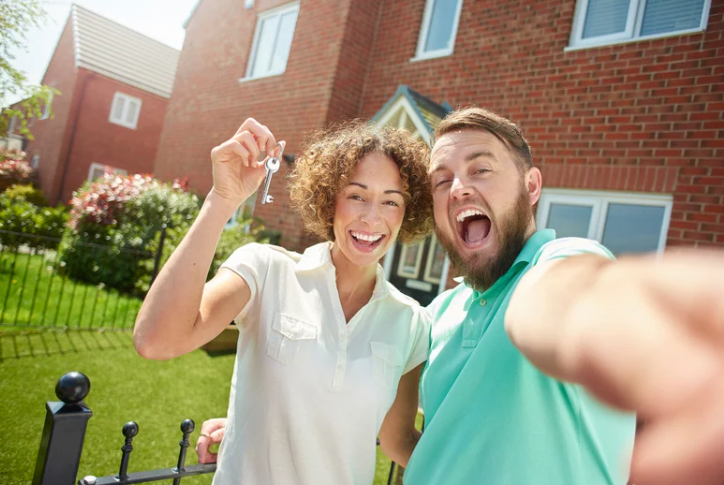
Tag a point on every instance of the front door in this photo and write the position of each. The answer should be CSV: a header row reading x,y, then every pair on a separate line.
x,y
418,269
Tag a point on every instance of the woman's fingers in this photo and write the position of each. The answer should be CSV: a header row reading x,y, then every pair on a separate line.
x,y
264,137
247,140
229,150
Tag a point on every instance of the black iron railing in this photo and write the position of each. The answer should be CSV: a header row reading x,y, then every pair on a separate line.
x,y
61,443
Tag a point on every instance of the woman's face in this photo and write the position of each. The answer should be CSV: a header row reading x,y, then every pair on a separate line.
x,y
368,213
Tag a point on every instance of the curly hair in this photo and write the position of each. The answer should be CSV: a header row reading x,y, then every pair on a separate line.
x,y
329,160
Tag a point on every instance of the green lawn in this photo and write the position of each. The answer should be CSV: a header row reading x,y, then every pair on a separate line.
x,y
32,292
157,395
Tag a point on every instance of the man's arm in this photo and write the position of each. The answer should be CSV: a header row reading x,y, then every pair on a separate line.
x,y
644,334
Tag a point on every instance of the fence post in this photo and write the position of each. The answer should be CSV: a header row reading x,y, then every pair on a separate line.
x,y
61,444
159,253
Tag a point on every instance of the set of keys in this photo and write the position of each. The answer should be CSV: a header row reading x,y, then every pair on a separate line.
x,y
272,166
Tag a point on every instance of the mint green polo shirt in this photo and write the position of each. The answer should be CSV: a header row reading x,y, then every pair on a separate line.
x,y
491,417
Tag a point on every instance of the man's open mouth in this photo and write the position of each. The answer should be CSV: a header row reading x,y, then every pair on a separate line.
x,y
366,241
473,226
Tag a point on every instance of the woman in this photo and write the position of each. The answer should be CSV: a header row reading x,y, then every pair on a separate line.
x,y
324,340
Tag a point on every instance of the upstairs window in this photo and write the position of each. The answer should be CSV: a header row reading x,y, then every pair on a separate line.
x,y
439,28
272,42
125,110
603,22
46,108
35,161
97,170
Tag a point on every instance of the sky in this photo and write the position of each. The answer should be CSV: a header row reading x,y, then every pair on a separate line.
x,y
159,19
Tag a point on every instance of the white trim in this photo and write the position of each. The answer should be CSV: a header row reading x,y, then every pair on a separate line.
x,y
418,261
127,100
388,260
278,11
35,161
600,201
12,125
430,260
420,53
632,32
46,108
403,103
106,168
443,277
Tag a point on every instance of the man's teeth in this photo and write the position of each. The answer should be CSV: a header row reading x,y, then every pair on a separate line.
x,y
468,213
367,237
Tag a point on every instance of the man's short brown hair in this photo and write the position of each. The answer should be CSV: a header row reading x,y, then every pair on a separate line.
x,y
474,118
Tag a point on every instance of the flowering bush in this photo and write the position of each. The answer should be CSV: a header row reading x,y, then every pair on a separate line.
x,y
30,224
15,170
112,221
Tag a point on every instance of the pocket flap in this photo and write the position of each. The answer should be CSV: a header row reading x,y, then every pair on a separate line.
x,y
388,353
294,328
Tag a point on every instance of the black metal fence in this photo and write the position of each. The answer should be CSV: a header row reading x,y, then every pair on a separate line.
x,y
38,291
61,444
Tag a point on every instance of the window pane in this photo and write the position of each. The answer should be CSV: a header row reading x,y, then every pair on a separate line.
x,y
632,228
569,220
604,17
284,42
439,35
131,112
265,46
119,108
662,16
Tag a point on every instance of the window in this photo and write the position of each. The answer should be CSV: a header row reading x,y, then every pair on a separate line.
x,y
98,169
411,260
246,211
248,4
624,223
125,110
35,161
46,108
439,28
435,265
603,22
272,42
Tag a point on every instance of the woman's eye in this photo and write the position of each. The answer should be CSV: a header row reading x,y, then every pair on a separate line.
x,y
392,203
356,197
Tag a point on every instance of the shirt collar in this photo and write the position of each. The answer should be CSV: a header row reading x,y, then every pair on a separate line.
x,y
320,255
531,247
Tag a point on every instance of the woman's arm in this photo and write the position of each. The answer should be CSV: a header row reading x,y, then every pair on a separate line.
x,y
398,435
181,312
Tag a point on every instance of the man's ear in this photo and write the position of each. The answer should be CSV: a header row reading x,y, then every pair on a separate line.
x,y
533,185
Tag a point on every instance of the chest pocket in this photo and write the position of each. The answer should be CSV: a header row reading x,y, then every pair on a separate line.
x,y
290,339
386,364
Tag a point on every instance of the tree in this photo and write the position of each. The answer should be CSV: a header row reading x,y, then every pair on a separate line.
x,y
16,18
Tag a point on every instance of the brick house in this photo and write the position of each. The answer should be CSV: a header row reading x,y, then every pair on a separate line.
x,y
622,102
115,84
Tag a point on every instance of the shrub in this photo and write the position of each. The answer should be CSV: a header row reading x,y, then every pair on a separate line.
x,y
15,170
114,219
45,224
27,193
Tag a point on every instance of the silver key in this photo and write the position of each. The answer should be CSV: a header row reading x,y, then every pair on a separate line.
x,y
272,166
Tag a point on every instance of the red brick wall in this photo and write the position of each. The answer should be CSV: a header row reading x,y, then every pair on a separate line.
x,y
644,116
209,103
50,134
97,140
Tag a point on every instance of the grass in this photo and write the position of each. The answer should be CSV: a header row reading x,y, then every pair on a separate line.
x,y
124,387
33,293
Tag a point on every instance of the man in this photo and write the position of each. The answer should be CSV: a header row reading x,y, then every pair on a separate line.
x,y
540,326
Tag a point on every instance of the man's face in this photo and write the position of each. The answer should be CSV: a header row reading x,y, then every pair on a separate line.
x,y
483,204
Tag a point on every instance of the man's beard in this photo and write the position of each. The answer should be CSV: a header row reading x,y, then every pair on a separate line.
x,y
481,272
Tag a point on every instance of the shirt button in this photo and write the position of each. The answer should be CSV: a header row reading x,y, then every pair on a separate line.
x,y
483,302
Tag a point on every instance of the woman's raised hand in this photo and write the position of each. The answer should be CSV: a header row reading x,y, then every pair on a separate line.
x,y
237,170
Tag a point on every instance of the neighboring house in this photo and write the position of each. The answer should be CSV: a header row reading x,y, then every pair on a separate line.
x,y
114,85
622,102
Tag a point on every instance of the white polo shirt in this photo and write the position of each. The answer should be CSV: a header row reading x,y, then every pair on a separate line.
x,y
309,390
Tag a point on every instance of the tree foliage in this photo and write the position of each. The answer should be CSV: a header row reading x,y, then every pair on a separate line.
x,y
17,17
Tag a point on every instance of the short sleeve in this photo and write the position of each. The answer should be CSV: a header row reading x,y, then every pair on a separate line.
x,y
250,262
566,247
421,325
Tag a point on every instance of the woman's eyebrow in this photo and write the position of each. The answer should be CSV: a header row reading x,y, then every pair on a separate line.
x,y
390,191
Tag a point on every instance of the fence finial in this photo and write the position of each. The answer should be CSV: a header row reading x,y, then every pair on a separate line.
x,y
72,387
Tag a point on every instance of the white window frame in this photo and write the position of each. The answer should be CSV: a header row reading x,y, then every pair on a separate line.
x,y
632,33
46,108
122,121
418,261
11,126
35,161
434,243
257,33
106,168
600,202
248,4
420,53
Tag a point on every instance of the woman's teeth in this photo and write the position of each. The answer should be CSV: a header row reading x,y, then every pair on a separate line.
x,y
366,237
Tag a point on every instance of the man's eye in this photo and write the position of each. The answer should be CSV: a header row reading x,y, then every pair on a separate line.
x,y
481,170
442,182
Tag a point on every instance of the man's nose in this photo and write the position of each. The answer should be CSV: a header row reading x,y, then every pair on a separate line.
x,y
459,189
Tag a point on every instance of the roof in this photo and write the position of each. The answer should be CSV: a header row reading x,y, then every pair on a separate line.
x,y
109,48
429,112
